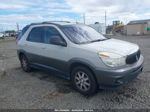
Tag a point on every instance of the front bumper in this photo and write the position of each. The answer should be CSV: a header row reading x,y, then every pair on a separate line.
x,y
116,78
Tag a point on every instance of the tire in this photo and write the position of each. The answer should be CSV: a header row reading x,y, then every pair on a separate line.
x,y
25,63
83,80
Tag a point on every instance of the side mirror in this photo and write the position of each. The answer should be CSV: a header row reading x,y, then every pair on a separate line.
x,y
57,40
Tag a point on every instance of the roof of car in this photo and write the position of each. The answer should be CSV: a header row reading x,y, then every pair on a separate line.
x,y
58,23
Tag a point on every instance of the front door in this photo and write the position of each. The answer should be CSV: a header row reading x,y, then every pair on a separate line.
x,y
56,54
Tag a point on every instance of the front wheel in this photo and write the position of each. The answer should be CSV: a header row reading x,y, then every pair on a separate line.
x,y
83,80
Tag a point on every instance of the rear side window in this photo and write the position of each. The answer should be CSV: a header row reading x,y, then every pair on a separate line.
x,y
36,35
22,32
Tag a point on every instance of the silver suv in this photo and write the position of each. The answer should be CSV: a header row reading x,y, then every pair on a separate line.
x,y
79,53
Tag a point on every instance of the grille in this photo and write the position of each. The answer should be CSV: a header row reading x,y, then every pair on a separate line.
x,y
133,57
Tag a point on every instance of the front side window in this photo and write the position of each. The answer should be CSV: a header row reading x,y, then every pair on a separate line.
x,y
82,34
49,33
36,35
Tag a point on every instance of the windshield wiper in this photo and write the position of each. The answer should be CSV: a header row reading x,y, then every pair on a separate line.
x,y
98,40
94,41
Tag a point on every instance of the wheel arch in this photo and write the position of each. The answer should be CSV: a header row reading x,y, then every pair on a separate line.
x,y
82,62
20,53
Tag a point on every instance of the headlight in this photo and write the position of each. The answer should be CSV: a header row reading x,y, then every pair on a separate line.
x,y
112,59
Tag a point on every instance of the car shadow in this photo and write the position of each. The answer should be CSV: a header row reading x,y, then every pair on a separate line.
x,y
62,85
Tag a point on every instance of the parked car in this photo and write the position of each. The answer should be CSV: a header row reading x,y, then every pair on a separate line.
x,y
79,53
1,36
6,35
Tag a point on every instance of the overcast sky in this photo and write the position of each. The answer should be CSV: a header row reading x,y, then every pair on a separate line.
x,y
27,11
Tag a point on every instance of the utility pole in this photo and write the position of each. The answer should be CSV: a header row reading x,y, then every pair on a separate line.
x,y
84,18
17,26
76,20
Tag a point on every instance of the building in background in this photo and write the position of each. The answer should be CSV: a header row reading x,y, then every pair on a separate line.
x,y
139,27
100,27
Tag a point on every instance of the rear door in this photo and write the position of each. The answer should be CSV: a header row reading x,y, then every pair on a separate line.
x,y
34,45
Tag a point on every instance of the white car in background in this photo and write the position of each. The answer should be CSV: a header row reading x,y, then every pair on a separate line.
x,y
1,35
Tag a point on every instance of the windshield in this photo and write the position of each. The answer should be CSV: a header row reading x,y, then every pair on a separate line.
x,y
82,34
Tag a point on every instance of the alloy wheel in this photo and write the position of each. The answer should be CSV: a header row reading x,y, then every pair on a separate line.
x,y
82,81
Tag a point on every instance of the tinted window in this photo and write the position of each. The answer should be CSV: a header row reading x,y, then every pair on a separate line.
x,y
36,35
50,32
82,34
22,32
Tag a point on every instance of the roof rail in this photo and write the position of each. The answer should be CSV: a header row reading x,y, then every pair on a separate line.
x,y
55,21
49,22
35,23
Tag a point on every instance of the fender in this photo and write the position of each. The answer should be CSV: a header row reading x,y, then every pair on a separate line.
x,y
20,51
81,61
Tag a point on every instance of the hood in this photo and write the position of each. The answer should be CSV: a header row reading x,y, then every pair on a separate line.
x,y
113,45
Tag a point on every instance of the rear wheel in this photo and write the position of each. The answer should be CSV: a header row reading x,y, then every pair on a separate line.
x,y
25,63
83,80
